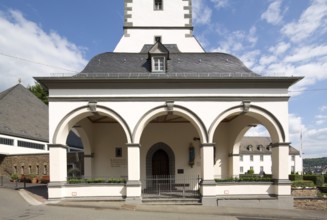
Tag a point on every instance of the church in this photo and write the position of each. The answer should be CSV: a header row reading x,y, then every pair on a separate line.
x,y
167,117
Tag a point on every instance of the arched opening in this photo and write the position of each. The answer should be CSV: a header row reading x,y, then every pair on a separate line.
x,y
103,137
231,157
165,167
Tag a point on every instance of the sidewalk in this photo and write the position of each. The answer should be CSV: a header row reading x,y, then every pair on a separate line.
x,y
38,196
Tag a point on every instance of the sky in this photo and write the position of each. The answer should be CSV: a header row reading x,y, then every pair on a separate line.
x,y
271,37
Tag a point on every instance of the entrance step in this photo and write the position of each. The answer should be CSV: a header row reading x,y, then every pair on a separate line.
x,y
171,201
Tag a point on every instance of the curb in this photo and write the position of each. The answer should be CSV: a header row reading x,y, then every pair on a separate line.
x,y
29,198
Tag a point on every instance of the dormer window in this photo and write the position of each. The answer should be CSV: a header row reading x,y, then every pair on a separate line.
x,y
158,56
158,64
158,5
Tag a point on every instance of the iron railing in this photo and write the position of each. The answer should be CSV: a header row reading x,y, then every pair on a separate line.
x,y
170,186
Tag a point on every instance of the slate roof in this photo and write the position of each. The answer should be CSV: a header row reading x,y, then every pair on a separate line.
x,y
23,115
260,145
194,65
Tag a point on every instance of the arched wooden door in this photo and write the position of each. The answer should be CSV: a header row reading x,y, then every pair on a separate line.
x,y
160,163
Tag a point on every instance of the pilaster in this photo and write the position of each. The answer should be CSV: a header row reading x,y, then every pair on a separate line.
x,y
133,185
208,184
280,152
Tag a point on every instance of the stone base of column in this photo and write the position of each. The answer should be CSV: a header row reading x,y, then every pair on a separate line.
x,y
208,191
55,190
282,187
133,192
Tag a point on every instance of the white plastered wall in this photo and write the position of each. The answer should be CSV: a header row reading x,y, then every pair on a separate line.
x,y
135,40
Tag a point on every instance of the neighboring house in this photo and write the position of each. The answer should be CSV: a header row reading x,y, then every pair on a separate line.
x,y
166,115
255,153
24,133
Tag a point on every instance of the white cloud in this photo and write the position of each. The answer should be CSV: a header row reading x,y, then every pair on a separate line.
x,y
258,131
26,51
201,13
280,48
273,14
265,60
312,19
321,119
314,143
220,3
306,53
313,140
323,108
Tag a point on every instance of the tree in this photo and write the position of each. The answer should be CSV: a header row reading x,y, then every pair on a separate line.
x,y
39,92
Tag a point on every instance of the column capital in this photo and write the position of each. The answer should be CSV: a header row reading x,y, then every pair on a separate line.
x,y
57,146
208,145
233,155
89,155
133,145
285,144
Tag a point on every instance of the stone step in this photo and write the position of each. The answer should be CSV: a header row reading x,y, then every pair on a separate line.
x,y
171,201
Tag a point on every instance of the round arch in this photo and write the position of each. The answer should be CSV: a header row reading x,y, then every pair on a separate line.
x,y
263,116
177,110
66,124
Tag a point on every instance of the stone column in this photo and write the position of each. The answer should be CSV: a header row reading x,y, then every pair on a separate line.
x,y
133,185
58,170
234,165
280,152
208,186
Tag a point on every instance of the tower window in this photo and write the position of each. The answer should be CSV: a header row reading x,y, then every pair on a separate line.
x,y
158,64
157,39
158,5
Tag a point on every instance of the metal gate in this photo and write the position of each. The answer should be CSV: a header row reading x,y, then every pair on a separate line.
x,y
170,186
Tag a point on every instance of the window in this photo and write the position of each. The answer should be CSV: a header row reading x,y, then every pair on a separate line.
x,y
119,152
31,145
6,141
251,157
158,64
45,169
261,157
158,5
29,169
241,158
157,39
37,170
293,158
241,170
22,170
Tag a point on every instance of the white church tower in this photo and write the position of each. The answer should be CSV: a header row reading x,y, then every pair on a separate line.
x,y
148,21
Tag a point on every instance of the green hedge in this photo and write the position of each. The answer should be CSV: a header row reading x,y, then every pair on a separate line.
x,y
318,180
303,183
295,177
247,178
97,180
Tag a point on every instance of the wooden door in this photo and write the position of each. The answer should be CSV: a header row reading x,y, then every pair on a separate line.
x,y
160,163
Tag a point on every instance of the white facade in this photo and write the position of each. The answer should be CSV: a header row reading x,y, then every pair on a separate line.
x,y
10,145
191,123
264,163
